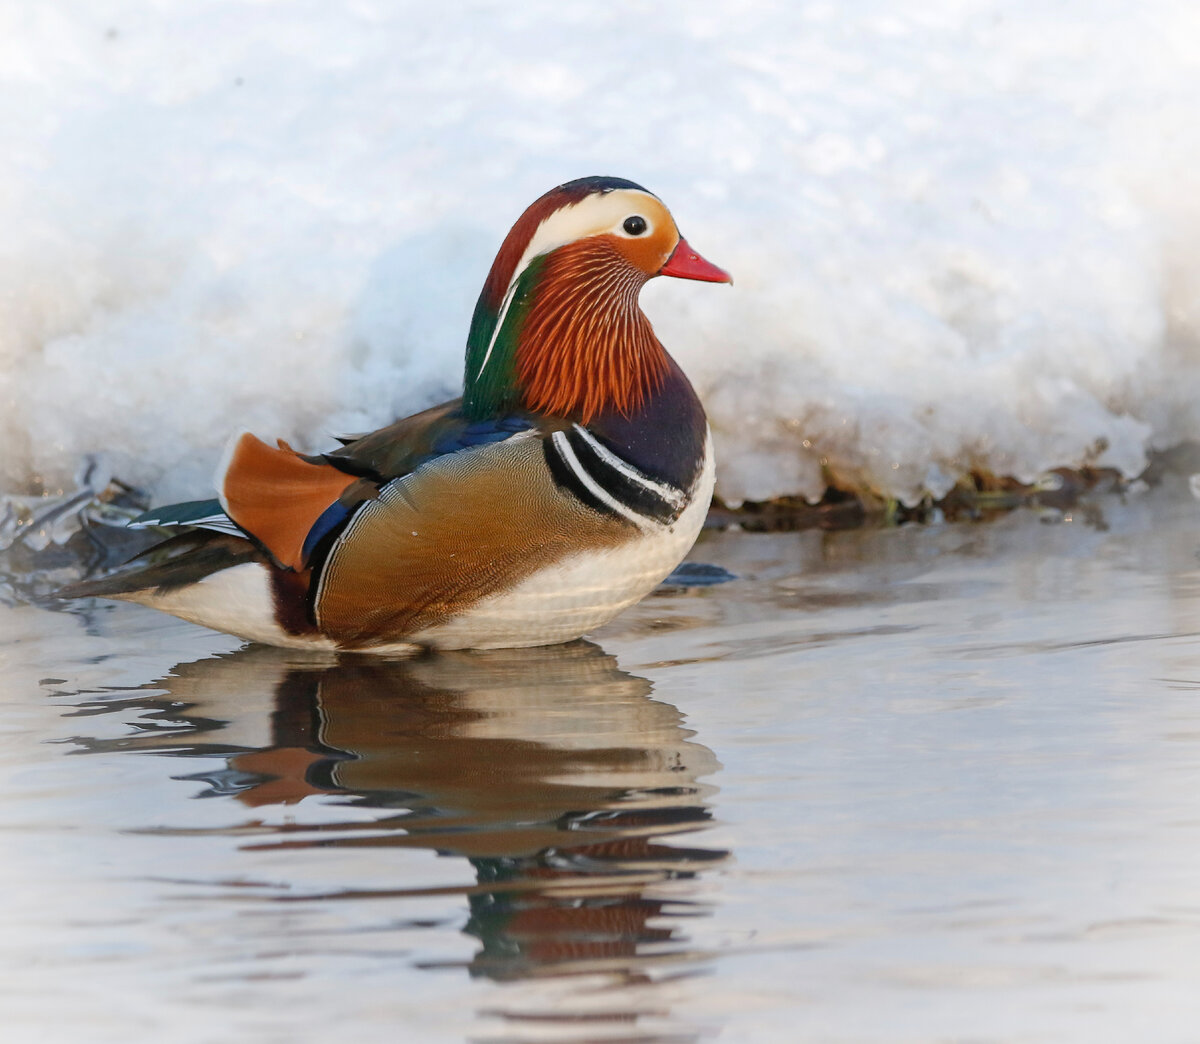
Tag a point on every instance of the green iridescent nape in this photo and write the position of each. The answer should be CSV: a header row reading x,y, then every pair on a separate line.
x,y
494,391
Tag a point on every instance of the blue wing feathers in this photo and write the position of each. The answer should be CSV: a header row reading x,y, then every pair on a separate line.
x,y
477,433
330,520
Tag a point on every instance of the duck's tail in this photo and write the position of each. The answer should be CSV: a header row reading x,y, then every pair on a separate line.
x,y
176,563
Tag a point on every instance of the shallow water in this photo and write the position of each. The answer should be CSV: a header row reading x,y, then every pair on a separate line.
x,y
914,784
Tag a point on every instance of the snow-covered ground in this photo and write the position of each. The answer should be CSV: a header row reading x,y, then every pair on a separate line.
x,y
964,232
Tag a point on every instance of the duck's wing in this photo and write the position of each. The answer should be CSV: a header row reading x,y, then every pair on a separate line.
x,y
415,524
462,526
294,506
288,503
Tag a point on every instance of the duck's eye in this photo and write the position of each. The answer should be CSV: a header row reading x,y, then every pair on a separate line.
x,y
635,225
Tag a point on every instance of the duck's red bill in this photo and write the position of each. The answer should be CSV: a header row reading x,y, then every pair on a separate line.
x,y
685,263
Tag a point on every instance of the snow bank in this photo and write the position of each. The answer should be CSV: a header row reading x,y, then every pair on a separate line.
x,y
964,237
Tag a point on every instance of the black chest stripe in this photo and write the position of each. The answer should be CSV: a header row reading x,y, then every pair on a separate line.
x,y
566,477
607,483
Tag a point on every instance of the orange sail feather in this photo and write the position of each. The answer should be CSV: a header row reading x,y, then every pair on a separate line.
x,y
277,496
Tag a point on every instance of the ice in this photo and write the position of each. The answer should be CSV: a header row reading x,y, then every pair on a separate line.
x,y
963,235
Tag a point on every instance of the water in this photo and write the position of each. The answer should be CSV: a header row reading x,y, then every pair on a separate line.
x,y
917,784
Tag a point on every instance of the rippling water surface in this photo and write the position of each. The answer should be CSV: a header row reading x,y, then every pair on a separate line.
x,y
914,784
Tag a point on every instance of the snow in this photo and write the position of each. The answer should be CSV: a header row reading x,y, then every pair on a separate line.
x,y
963,235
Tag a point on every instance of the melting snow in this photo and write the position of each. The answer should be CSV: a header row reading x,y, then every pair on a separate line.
x,y
964,236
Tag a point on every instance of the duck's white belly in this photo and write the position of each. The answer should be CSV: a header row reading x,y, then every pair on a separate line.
x,y
237,601
580,592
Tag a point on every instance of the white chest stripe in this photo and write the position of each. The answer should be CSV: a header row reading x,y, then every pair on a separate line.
x,y
675,497
559,438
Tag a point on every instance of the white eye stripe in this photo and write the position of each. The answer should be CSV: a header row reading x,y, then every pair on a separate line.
x,y
599,213
591,216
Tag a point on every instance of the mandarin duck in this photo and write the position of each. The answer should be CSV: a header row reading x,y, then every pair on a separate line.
x,y
570,478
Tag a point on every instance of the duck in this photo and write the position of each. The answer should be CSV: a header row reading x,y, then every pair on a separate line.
x,y
570,478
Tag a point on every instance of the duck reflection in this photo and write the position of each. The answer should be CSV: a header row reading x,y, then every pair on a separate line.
x,y
551,771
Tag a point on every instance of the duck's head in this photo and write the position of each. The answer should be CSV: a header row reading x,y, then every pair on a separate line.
x,y
557,328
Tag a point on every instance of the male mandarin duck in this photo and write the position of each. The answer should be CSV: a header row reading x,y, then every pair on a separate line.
x,y
571,477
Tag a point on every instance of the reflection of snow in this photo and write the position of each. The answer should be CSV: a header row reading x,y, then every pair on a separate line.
x,y
961,236
36,522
